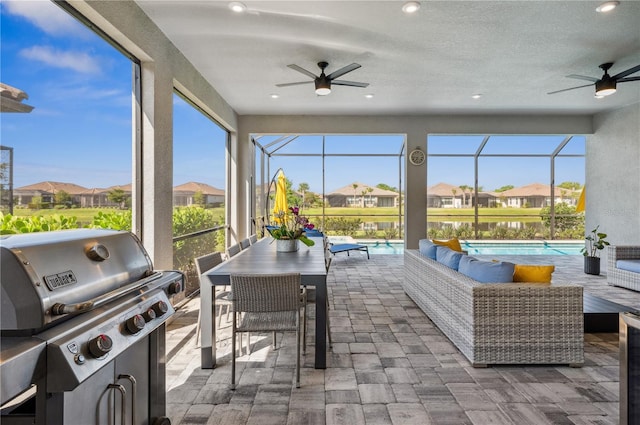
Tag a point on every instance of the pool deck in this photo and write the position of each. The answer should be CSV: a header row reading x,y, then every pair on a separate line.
x,y
390,364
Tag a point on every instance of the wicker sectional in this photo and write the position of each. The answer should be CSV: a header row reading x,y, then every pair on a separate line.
x,y
618,277
506,323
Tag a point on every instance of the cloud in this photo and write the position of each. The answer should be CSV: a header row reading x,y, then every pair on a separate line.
x,y
46,16
78,61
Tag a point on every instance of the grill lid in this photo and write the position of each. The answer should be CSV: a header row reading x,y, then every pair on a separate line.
x,y
43,270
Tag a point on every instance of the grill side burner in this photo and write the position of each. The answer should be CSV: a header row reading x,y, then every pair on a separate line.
x,y
83,320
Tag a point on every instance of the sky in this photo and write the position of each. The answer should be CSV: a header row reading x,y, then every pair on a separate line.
x,y
80,129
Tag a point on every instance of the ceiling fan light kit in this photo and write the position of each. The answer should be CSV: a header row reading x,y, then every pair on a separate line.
x,y
323,87
605,87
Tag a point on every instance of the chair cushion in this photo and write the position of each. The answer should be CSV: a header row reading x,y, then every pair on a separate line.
x,y
448,257
629,265
454,244
486,271
533,273
427,248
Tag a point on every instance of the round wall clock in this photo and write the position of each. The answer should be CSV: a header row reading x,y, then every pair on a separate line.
x,y
416,157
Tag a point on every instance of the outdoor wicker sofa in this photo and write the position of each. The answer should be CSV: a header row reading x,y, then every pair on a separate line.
x,y
501,323
620,277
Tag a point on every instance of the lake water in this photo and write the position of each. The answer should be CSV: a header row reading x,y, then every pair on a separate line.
x,y
479,247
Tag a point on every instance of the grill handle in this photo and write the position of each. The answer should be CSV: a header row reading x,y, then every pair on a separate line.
x,y
60,309
123,393
134,397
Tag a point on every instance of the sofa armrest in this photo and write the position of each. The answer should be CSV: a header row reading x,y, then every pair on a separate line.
x,y
618,277
620,252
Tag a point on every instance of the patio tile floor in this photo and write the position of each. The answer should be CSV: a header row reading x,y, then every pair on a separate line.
x,y
390,365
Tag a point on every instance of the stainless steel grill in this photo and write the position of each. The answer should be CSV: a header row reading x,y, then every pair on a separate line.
x,y
83,320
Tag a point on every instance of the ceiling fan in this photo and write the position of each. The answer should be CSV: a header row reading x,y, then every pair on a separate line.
x,y
606,85
323,82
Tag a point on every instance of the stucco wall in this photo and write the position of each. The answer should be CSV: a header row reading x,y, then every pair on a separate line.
x,y
613,175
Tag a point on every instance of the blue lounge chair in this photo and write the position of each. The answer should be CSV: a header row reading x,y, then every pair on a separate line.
x,y
346,247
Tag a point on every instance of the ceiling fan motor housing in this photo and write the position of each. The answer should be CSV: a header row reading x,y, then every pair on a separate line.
x,y
606,85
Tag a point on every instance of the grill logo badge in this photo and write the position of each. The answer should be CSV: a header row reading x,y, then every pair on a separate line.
x,y
60,280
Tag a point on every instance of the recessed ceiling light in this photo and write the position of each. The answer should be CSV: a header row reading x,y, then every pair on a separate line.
x,y
607,6
274,95
237,7
476,96
599,96
411,7
368,96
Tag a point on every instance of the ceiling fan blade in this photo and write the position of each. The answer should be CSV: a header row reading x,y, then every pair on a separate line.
x,y
293,84
340,72
349,83
572,88
582,77
302,70
625,80
627,72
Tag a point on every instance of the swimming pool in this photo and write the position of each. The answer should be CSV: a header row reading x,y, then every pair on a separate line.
x,y
479,247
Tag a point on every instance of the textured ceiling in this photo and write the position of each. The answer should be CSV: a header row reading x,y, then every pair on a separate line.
x,y
431,62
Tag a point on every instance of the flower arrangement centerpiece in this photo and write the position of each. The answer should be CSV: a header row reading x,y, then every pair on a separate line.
x,y
292,226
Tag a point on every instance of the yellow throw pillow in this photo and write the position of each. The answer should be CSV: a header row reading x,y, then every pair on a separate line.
x,y
532,273
453,244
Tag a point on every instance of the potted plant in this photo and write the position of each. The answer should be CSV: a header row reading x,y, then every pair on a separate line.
x,y
595,243
291,230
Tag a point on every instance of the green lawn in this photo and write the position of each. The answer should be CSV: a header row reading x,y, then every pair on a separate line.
x,y
85,215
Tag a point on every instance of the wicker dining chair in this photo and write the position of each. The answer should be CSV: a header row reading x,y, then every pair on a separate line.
x,y
222,296
266,303
233,250
245,243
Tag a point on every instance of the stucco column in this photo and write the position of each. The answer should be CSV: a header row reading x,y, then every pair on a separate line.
x,y
156,162
415,197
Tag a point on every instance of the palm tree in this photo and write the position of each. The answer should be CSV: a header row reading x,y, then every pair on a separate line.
x,y
453,201
355,194
303,188
364,192
369,190
464,188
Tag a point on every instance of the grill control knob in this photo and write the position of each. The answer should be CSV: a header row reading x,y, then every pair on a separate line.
x,y
98,252
160,308
100,346
149,315
135,324
174,288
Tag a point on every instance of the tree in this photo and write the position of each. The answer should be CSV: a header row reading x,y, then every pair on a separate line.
x,y
386,187
453,201
62,198
303,188
570,185
369,190
363,193
355,194
464,188
198,198
503,188
118,196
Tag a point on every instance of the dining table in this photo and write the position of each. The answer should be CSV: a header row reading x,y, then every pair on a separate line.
x,y
263,258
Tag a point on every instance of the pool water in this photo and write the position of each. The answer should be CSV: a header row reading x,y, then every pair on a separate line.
x,y
480,247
